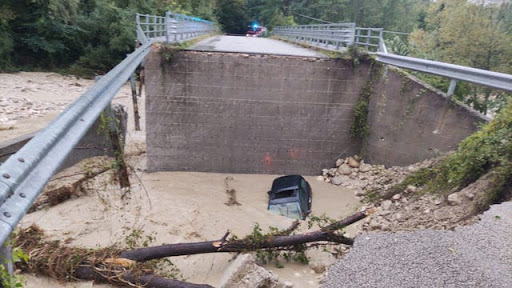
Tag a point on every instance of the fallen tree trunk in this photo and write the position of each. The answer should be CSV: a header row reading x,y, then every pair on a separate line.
x,y
244,245
127,267
132,279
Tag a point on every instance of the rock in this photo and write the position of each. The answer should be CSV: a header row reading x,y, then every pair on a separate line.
x,y
359,192
375,225
336,180
344,169
352,162
411,189
288,284
386,204
245,273
470,195
438,201
339,162
365,167
318,267
320,178
396,196
454,199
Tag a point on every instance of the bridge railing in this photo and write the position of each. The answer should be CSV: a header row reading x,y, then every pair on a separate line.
x,y
370,38
334,37
150,26
326,36
171,28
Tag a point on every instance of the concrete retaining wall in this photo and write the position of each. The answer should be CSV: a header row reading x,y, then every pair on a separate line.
x,y
219,112
240,113
411,121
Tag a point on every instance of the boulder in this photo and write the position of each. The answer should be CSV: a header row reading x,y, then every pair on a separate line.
x,y
344,169
336,180
352,162
363,167
411,189
454,199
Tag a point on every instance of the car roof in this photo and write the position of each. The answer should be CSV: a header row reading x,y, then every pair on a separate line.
x,y
284,182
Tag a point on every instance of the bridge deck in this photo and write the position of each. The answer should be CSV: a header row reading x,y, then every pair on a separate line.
x,y
253,45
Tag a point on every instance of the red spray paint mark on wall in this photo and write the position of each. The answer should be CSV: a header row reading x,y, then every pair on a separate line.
x,y
268,160
294,153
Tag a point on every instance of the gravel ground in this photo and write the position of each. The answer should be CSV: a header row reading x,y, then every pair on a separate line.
x,y
253,45
478,255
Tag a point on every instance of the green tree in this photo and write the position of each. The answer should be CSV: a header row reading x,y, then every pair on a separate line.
x,y
231,15
472,34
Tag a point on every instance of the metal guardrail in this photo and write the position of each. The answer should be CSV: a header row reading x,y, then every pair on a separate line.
x,y
326,36
24,175
452,71
150,26
334,37
370,38
172,28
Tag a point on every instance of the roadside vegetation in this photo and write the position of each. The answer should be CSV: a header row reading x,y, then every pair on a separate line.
x,y
486,152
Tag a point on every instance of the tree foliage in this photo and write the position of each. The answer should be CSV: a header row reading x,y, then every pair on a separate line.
x,y
232,16
475,34
87,36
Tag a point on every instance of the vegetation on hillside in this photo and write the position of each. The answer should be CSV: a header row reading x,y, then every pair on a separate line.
x,y
488,151
472,34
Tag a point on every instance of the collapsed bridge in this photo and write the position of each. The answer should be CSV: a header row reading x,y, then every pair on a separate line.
x,y
275,114
254,113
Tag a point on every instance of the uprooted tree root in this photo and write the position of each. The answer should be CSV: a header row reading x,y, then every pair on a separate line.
x,y
134,267
71,264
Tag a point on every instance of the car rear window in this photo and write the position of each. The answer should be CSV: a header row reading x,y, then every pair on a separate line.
x,y
285,194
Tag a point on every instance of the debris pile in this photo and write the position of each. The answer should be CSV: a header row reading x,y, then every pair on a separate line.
x,y
16,108
353,173
407,210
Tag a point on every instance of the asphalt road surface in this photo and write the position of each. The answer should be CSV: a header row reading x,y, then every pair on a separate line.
x,y
258,45
478,255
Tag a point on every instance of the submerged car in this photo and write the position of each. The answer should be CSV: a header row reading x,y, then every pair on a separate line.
x,y
290,196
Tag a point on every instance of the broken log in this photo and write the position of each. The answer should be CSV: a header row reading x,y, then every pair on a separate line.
x,y
122,268
243,245
64,263
87,272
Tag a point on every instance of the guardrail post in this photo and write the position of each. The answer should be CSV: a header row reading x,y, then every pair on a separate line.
x,y
382,44
358,32
167,23
117,144
147,26
442,118
136,115
6,260
451,89
368,35
173,28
